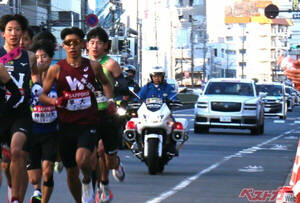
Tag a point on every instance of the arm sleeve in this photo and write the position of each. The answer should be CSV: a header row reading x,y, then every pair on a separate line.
x,y
14,98
172,94
121,86
15,93
142,93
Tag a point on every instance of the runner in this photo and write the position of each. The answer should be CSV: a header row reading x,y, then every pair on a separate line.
x,y
25,43
45,126
26,39
16,126
75,79
5,107
98,47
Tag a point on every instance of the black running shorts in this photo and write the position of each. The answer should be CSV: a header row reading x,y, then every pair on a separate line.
x,y
108,131
44,148
72,137
17,123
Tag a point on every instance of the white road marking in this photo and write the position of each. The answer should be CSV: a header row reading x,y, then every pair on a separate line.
x,y
279,147
183,184
297,122
292,137
252,169
279,121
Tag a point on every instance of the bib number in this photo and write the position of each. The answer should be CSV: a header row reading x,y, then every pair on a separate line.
x,y
79,100
44,114
101,100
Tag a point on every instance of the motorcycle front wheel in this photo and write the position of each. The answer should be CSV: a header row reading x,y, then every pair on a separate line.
x,y
153,161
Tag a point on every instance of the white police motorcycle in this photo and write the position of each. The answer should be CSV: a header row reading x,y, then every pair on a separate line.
x,y
153,132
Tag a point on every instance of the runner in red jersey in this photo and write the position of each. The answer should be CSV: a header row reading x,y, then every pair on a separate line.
x,y
77,110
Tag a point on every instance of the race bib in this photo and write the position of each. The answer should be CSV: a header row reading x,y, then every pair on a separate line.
x,y
101,100
79,100
8,94
44,114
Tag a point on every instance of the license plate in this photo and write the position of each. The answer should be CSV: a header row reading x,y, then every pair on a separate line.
x,y
225,119
267,109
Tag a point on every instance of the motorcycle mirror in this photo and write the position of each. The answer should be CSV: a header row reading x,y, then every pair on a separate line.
x,y
131,89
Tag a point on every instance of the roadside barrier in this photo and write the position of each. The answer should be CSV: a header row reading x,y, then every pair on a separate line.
x,y
296,169
291,193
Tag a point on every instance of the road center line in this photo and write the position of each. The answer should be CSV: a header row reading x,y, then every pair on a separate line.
x,y
183,184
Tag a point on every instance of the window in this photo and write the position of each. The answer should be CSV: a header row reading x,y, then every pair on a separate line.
x,y
179,3
229,38
216,52
198,2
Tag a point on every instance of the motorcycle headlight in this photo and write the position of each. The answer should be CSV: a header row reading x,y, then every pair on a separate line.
x,y
121,112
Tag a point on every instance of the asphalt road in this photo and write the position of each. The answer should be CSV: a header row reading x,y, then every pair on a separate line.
x,y
225,165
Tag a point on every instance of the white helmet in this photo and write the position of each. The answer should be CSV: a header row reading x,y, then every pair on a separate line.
x,y
157,70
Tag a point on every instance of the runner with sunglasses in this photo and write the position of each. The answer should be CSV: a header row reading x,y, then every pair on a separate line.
x,y
16,125
75,79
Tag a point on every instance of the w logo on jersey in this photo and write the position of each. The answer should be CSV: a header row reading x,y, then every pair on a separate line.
x,y
74,84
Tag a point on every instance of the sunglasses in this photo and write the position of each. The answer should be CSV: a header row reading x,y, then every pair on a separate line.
x,y
71,42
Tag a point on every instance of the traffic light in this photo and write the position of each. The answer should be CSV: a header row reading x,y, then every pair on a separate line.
x,y
295,46
152,48
271,11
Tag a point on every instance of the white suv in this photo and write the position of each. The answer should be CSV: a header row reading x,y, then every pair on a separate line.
x,y
275,102
229,103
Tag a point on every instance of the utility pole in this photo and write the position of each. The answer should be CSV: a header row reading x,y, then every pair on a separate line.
x,y
181,64
243,52
83,14
227,65
192,49
155,28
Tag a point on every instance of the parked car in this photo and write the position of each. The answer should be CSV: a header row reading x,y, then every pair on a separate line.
x,y
229,103
275,102
291,98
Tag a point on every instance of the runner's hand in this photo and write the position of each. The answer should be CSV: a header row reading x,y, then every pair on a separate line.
x,y
62,101
111,109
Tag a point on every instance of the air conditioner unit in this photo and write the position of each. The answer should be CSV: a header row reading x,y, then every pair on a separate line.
x,y
3,1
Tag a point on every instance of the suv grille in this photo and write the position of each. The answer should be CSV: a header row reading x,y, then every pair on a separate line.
x,y
226,106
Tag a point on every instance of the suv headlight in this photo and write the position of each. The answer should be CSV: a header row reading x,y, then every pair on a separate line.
x,y
279,100
250,106
202,105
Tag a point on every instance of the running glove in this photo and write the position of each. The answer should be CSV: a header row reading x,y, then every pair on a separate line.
x,y
62,101
111,109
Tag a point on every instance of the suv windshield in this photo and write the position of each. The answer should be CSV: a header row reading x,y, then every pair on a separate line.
x,y
271,90
229,88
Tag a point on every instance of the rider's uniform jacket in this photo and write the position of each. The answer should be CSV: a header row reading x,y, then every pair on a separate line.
x,y
163,91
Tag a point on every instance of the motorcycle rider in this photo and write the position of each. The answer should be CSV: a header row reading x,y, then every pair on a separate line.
x,y
159,88
129,73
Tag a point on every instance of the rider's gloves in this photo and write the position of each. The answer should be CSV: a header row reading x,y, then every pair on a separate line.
x,y
111,109
62,101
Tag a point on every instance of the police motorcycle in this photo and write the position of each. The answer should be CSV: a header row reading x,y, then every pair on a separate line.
x,y
153,131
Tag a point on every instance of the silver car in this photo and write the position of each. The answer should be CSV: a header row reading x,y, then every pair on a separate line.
x,y
229,103
275,100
